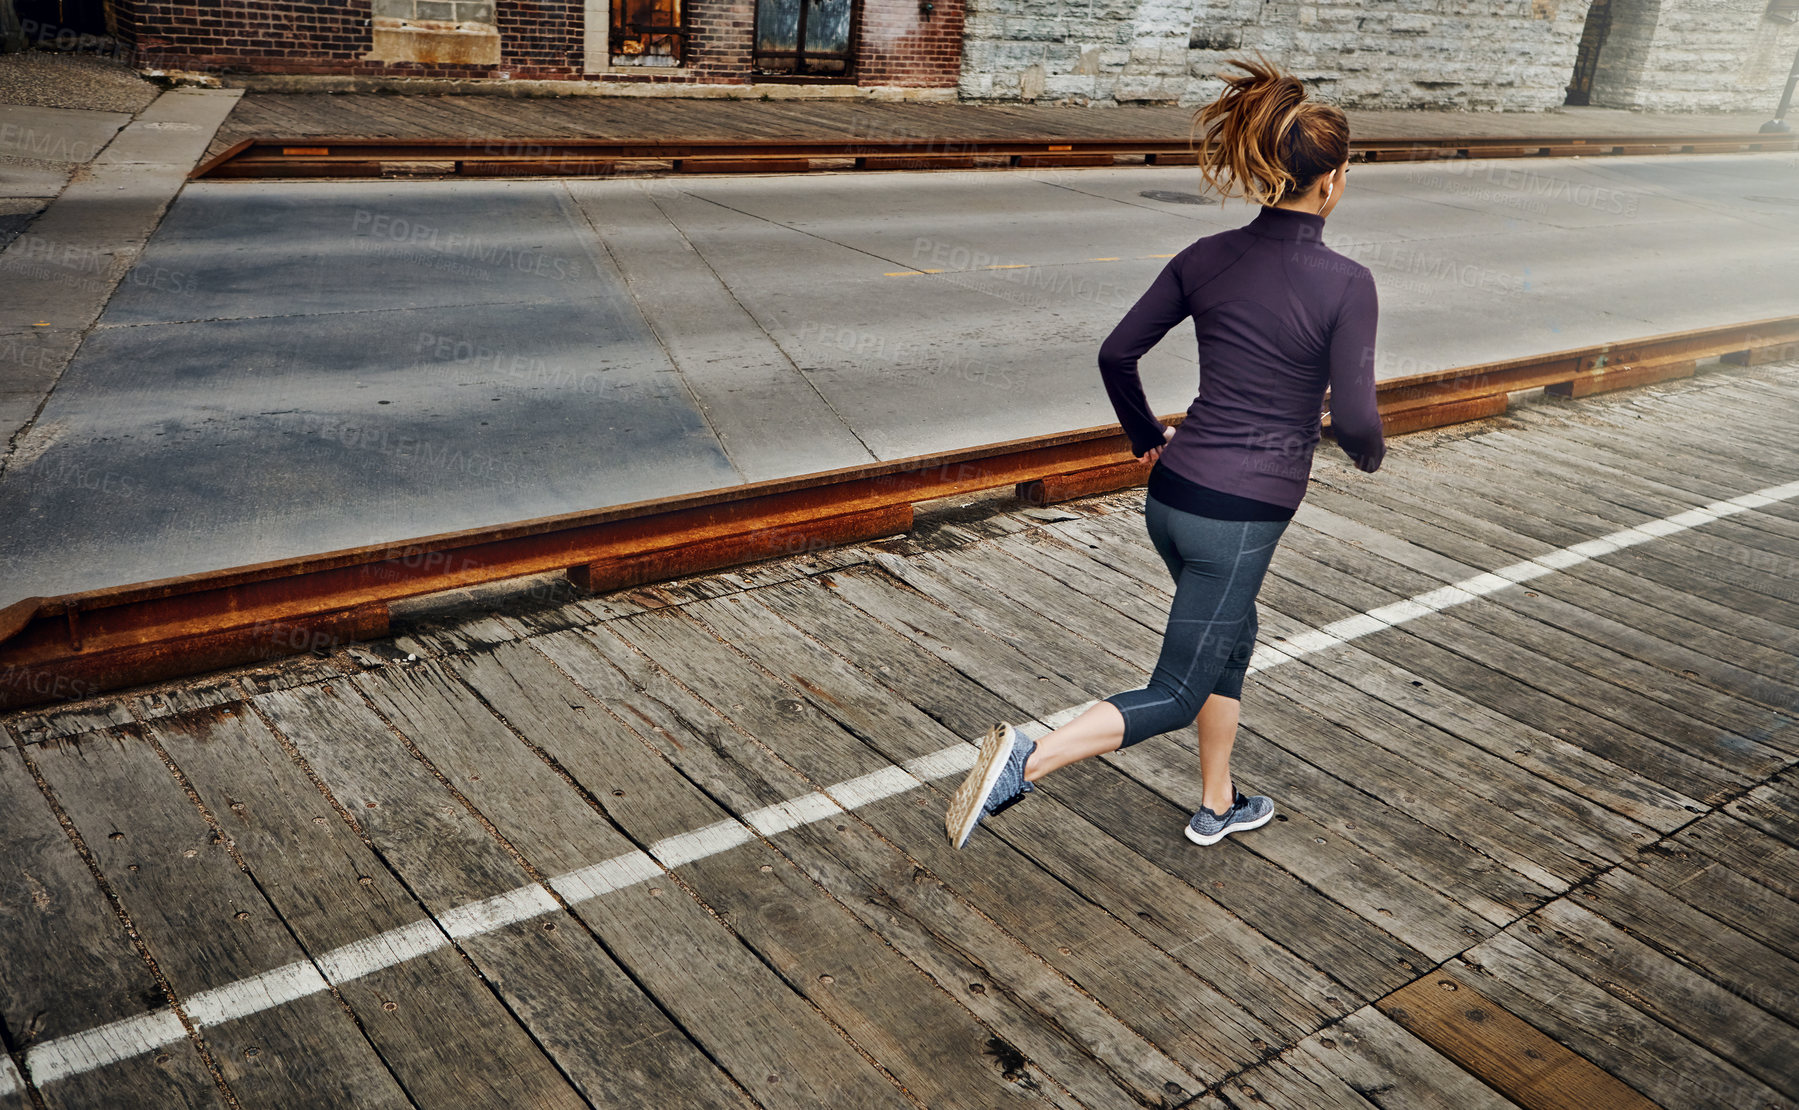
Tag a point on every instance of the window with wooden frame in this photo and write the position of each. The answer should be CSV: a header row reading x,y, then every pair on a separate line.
x,y
648,33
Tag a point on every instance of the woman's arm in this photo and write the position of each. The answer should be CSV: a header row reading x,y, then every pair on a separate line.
x,y
1355,419
1159,309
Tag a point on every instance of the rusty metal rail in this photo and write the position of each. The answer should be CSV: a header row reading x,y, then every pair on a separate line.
x,y
76,645
375,157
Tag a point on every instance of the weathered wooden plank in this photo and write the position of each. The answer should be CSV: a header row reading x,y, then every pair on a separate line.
x,y
1471,786
1348,876
611,1041
1683,869
1372,888
1501,692
1545,509
1605,1028
1653,585
202,693
1383,564
1573,683
439,1028
882,1003
1770,809
1746,849
1179,1013
1526,493
746,1017
1741,964
872,711
1505,1051
1639,630
1391,1067
1755,566
55,916
206,926
72,719
1736,1029
1241,961
1542,753
1380,891
1058,1027
1684,455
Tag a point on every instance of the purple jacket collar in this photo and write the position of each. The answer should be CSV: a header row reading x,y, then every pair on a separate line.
x,y
1287,223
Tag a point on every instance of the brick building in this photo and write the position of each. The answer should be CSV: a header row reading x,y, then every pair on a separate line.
x,y
893,44
1656,55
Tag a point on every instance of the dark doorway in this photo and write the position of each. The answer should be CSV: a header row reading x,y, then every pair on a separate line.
x,y
804,37
1586,59
60,24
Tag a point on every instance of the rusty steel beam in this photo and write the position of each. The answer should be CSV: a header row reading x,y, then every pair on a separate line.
x,y
80,644
362,156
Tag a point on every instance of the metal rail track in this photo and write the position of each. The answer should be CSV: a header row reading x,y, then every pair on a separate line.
x,y
76,645
498,157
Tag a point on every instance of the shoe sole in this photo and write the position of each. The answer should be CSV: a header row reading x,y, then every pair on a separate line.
x,y
966,804
1234,826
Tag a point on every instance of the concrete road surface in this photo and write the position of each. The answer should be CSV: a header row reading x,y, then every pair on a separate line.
x,y
298,367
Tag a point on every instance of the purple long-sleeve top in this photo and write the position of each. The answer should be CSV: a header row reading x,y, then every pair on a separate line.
x,y
1279,317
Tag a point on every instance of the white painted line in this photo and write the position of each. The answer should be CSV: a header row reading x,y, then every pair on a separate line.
x,y
95,1048
10,1079
396,946
518,904
605,877
700,843
106,1044
1468,589
255,994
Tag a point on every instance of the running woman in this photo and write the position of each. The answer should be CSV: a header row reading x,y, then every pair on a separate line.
x,y
1279,317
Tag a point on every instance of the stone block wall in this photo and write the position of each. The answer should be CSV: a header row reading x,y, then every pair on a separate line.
x,y
1694,55
1511,55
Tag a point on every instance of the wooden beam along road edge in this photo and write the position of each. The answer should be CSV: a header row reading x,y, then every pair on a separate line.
x,y
362,156
91,1049
77,645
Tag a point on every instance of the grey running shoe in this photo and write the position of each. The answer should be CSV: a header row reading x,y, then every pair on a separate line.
x,y
1249,812
995,782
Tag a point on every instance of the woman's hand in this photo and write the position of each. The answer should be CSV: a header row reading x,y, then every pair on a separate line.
x,y
1154,453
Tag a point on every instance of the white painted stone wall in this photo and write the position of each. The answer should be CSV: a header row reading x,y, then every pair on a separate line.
x,y
1512,55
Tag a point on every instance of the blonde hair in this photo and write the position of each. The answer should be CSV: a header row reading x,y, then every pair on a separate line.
x,y
1264,138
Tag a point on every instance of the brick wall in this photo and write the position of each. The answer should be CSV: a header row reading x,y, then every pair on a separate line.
x,y
540,39
897,44
893,43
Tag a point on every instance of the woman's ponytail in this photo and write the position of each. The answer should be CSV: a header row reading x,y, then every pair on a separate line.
x,y
1265,139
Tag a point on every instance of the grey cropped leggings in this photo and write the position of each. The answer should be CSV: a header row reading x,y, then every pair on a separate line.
x,y
1218,567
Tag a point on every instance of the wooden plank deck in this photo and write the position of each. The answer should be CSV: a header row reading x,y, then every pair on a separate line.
x,y
1537,843
413,116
